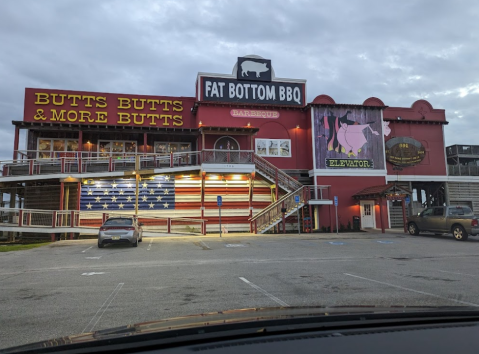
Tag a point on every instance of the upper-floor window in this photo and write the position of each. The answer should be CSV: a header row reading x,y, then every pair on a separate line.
x,y
116,147
52,148
166,148
273,147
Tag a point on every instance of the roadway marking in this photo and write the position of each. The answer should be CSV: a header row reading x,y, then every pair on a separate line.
x,y
92,257
92,273
413,290
235,245
445,271
336,243
202,243
149,246
86,249
385,242
272,297
102,309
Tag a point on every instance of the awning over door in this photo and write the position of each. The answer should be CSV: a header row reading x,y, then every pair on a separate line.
x,y
381,191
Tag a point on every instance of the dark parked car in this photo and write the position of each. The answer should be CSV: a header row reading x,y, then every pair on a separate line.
x,y
120,230
458,220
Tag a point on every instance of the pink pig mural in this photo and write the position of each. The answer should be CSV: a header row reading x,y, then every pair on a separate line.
x,y
345,135
354,133
352,138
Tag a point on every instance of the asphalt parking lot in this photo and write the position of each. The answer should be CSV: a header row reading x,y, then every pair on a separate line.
x,y
70,287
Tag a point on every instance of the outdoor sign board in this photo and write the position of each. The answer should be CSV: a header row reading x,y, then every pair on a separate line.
x,y
348,138
404,151
110,109
253,83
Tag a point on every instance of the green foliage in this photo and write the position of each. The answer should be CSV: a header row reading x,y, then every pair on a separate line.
x,y
21,247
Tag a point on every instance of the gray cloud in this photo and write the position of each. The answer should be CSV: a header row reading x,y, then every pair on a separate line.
x,y
350,50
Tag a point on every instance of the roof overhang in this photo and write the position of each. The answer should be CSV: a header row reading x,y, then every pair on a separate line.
x,y
376,192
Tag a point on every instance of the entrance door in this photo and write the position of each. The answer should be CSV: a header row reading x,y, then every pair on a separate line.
x,y
367,214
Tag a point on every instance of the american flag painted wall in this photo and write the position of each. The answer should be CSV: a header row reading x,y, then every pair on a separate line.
x,y
155,193
180,196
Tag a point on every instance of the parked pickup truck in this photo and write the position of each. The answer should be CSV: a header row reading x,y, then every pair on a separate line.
x,y
458,220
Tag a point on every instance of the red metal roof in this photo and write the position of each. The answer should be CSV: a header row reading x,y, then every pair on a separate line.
x,y
377,191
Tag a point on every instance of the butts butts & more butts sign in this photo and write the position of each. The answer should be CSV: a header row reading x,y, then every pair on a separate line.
x,y
253,83
91,108
404,151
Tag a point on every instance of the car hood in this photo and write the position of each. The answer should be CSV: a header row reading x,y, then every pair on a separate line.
x,y
247,316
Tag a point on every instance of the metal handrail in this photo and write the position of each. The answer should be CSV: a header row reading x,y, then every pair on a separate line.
x,y
284,179
278,202
270,215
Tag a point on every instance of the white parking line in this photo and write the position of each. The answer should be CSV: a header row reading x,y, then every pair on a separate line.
x,y
86,249
413,290
102,309
470,275
149,246
204,244
272,297
93,257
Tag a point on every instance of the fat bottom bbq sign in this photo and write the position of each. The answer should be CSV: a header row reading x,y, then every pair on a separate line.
x,y
404,151
253,83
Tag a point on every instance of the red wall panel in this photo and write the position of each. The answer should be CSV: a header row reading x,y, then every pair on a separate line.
x,y
344,188
425,124
283,127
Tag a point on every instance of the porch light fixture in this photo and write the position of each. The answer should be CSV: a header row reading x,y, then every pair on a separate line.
x,y
88,142
297,127
249,124
200,123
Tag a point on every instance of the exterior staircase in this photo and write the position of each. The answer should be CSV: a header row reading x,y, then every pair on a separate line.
x,y
296,197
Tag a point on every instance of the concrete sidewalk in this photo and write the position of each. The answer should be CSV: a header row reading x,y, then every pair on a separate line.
x,y
370,233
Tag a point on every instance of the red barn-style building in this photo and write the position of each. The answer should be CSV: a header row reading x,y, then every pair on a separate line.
x,y
277,161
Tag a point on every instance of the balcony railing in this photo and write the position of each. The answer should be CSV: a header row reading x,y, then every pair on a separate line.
x,y
51,219
228,156
462,150
463,170
88,162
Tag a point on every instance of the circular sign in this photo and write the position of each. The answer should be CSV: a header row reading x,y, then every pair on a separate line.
x,y
404,151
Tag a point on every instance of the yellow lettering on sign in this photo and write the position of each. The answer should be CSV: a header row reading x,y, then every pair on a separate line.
x,y
42,98
124,103
153,102
101,117
39,115
72,116
177,121
74,100
137,121
54,99
177,106
85,115
166,103
142,100
165,117
123,118
101,102
153,117
88,100
58,117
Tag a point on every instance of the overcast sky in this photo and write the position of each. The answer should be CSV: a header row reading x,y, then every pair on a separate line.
x,y
399,51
